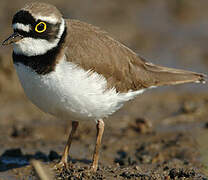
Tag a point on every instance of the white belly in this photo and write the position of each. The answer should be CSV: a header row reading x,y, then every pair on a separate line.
x,y
71,92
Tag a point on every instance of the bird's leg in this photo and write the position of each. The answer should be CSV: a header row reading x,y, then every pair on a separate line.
x,y
100,129
64,159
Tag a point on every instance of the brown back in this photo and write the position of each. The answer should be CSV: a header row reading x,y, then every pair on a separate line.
x,y
93,49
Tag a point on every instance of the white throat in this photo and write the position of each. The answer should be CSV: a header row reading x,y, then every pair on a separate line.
x,y
31,47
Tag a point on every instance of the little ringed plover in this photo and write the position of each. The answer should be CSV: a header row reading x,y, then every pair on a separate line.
x,y
72,69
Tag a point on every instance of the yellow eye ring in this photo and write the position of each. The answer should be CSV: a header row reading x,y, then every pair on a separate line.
x,y
41,25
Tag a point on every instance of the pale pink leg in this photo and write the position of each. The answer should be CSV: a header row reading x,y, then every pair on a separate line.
x,y
64,159
100,129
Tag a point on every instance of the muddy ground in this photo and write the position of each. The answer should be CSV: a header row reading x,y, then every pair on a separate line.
x,y
160,135
151,138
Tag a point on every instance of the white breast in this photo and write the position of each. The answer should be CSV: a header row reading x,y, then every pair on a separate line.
x,y
70,91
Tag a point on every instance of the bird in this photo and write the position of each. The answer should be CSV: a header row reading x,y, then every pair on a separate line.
x,y
75,70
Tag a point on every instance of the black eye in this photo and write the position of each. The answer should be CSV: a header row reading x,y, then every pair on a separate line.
x,y
40,27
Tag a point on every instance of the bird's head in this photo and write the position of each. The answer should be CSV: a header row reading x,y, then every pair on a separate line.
x,y
38,28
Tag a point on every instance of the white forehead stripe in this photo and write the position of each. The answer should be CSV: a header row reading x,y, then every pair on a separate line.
x,y
51,19
22,27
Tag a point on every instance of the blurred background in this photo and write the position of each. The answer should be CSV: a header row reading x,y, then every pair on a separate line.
x,y
172,33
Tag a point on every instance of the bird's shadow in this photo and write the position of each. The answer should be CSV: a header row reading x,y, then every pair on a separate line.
x,y
14,158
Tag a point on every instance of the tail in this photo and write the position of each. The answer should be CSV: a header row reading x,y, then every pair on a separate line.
x,y
169,76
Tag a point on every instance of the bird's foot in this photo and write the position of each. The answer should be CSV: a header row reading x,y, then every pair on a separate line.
x,y
93,168
61,166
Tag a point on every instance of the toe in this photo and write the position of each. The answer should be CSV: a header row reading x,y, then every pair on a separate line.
x,y
93,168
61,165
